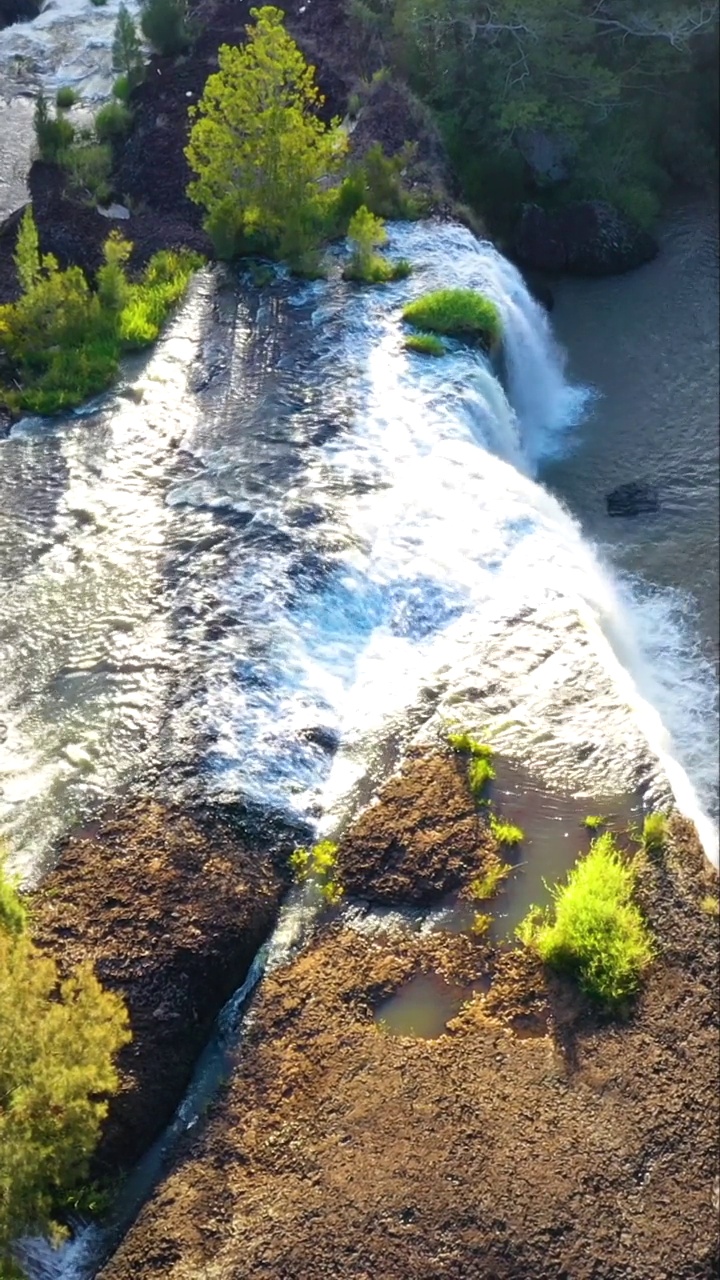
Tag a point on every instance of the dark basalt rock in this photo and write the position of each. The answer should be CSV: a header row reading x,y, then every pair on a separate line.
x,y
585,238
634,499
18,11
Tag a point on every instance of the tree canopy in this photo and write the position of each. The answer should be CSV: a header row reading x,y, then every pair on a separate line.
x,y
260,150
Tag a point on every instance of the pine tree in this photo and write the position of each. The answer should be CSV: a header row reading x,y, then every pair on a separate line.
x,y
127,57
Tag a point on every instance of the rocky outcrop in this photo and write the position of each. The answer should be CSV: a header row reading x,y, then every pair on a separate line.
x,y
585,238
534,1139
170,907
18,11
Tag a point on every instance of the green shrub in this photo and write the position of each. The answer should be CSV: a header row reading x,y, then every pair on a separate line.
x,y
319,865
63,339
122,89
481,924
487,885
367,233
461,312
57,1050
13,912
594,930
654,832
710,905
127,55
425,344
594,822
164,23
112,121
65,98
54,135
506,833
89,166
384,193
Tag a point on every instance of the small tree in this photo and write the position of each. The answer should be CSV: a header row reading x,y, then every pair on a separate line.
x,y
366,233
164,23
259,148
127,56
27,252
57,1048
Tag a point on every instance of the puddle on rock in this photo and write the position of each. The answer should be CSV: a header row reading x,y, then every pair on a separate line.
x,y
422,1007
555,835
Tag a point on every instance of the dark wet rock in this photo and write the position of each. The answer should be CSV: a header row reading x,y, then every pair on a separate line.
x,y
586,238
634,499
322,736
170,906
18,11
539,289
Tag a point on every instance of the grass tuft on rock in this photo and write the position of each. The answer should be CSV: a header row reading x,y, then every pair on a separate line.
x,y
65,98
506,833
594,822
654,832
594,930
319,866
462,313
425,344
710,905
487,885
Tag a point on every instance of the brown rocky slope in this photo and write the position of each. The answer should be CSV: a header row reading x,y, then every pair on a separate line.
x,y
585,1151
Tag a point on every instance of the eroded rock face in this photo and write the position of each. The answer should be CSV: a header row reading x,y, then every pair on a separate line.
x,y
170,907
586,238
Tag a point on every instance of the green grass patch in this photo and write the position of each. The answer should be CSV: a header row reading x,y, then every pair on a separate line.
x,y
710,905
594,930
481,924
113,121
465,744
319,866
376,270
459,312
487,885
506,833
425,344
594,822
654,832
480,773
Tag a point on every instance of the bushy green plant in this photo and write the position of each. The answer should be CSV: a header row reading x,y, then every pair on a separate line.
x,y
65,98
506,833
112,121
382,175
594,929
480,924
654,832
127,56
64,339
89,166
13,912
594,822
425,344
465,744
57,1050
53,134
367,233
710,905
487,885
319,865
261,152
164,23
460,312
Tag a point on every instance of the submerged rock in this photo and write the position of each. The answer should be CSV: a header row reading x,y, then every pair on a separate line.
x,y
585,237
633,499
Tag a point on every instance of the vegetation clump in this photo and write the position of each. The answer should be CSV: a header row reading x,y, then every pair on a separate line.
x,y
65,98
164,23
487,885
594,822
710,905
425,344
506,833
594,929
319,866
480,773
480,770
127,55
480,924
63,339
367,233
462,313
112,121
262,155
53,134
654,832
57,1051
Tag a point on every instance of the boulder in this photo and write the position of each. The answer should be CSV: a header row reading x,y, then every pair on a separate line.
x,y
633,499
584,238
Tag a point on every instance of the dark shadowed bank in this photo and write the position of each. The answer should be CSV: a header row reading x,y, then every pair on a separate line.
x,y
534,1138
